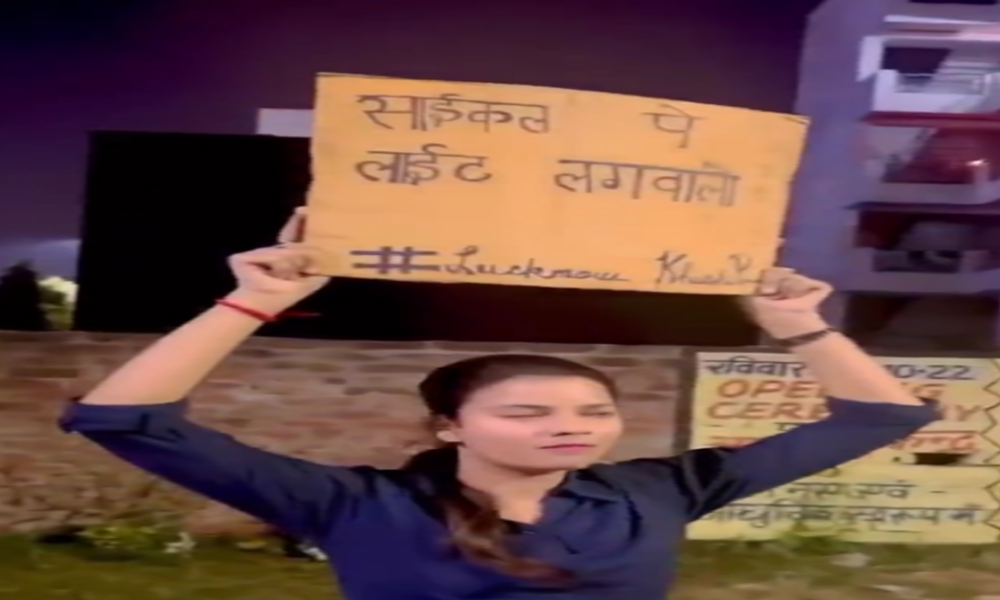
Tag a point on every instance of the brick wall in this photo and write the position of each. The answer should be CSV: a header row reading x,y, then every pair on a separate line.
x,y
330,401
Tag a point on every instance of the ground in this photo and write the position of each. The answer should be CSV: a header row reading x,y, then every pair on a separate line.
x,y
709,571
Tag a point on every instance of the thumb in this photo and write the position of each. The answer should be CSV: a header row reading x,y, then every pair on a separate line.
x,y
294,229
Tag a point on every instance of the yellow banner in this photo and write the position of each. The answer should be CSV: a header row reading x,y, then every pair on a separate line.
x,y
741,397
518,185
933,487
869,503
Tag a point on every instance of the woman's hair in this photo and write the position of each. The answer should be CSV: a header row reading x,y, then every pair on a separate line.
x,y
477,530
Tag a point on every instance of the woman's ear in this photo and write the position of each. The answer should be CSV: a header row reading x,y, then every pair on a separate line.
x,y
442,428
447,436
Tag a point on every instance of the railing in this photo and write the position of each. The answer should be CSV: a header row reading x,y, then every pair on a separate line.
x,y
933,181
984,281
972,83
949,91
922,261
921,169
901,169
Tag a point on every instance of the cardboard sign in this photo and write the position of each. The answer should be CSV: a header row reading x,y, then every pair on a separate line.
x,y
519,185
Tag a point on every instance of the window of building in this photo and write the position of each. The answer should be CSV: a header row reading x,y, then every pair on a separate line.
x,y
914,60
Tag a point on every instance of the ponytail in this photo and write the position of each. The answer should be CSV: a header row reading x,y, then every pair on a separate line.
x,y
477,531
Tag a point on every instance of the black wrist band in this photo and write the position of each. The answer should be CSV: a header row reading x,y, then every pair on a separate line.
x,y
805,338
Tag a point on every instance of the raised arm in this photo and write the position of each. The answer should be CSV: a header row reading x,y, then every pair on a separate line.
x,y
137,413
710,478
269,282
869,409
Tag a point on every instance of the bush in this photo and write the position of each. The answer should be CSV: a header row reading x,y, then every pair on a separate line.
x,y
59,301
116,512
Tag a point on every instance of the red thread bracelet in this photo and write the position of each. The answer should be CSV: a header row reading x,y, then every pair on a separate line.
x,y
246,310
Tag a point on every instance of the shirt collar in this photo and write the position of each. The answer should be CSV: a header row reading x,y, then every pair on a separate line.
x,y
587,484
583,483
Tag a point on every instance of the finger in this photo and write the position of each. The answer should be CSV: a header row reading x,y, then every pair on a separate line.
x,y
275,262
297,252
294,261
259,256
799,286
771,281
294,228
307,258
288,269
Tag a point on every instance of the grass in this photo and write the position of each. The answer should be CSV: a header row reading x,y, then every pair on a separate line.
x,y
719,571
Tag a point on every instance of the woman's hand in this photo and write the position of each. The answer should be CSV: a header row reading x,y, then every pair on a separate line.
x,y
276,278
786,304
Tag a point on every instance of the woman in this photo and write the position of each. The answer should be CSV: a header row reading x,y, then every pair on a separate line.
x,y
514,504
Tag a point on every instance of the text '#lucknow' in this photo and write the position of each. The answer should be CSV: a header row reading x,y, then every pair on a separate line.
x,y
407,260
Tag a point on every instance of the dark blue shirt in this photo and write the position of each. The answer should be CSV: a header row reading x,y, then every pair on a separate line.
x,y
617,527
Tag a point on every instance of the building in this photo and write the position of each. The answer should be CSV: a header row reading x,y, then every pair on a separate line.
x,y
898,198
285,122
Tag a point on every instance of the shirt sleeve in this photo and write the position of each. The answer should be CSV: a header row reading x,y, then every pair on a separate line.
x,y
710,478
300,497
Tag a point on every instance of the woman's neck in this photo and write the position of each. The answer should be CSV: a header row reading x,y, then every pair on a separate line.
x,y
502,484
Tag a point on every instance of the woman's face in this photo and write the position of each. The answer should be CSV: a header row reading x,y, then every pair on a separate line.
x,y
539,423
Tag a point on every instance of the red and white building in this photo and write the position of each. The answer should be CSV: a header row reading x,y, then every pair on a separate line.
x,y
898,198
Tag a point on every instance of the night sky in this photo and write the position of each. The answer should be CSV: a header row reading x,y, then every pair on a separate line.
x,y
205,66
